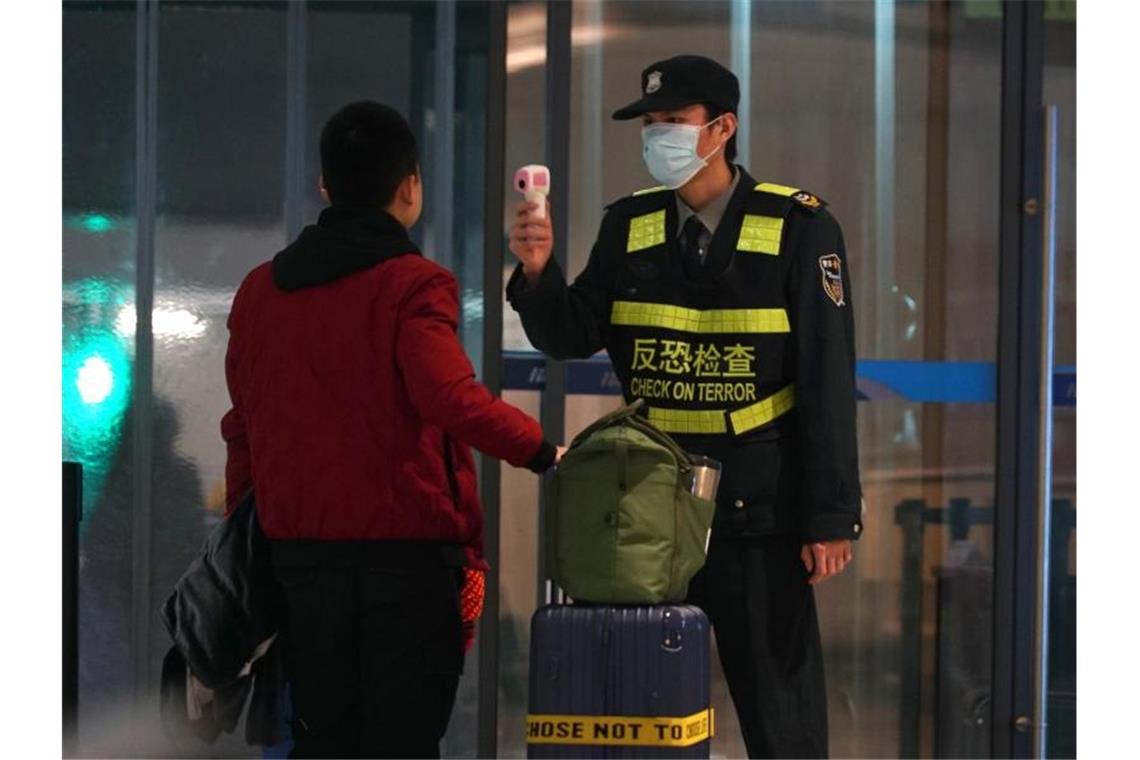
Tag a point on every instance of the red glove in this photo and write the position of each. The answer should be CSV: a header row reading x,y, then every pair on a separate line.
x,y
471,603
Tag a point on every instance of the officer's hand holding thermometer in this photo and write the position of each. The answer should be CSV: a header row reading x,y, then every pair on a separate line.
x,y
531,236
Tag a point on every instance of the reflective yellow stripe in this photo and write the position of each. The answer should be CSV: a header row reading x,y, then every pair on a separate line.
x,y
771,187
712,421
707,421
648,190
763,411
760,234
638,314
646,231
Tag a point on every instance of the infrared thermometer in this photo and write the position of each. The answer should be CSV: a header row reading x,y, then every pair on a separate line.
x,y
533,181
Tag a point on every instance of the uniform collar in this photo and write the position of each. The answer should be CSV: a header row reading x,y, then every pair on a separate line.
x,y
711,214
722,245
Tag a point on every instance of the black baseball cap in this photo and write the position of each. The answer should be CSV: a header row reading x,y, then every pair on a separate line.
x,y
682,81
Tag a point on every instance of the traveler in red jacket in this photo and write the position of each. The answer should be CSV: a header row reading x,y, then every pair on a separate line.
x,y
354,406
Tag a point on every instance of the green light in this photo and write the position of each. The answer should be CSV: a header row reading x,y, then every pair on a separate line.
x,y
98,223
96,388
93,221
95,380
96,396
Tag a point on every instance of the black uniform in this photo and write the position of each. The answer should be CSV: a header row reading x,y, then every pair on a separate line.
x,y
751,361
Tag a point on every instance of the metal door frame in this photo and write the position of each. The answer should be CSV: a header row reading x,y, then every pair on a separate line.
x,y
1019,436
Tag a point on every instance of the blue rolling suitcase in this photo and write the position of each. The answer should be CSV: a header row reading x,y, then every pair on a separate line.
x,y
619,681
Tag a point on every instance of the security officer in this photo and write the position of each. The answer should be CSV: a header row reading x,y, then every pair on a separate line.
x,y
726,304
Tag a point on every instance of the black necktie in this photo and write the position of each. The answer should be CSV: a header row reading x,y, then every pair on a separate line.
x,y
692,255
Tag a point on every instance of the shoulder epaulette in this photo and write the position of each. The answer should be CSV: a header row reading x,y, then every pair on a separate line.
x,y
803,198
637,194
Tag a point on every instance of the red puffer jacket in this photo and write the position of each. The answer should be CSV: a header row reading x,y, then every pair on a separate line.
x,y
353,401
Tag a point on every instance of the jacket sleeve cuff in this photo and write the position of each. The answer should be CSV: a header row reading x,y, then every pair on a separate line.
x,y
523,295
833,526
544,459
517,286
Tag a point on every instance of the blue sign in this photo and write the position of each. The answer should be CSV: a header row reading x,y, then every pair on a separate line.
x,y
1065,386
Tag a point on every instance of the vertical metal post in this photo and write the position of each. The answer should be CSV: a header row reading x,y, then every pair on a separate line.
x,y
1019,367
296,113
909,515
72,514
146,126
489,474
885,174
559,20
741,36
443,136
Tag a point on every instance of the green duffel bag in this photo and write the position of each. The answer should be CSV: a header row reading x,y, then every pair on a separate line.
x,y
623,526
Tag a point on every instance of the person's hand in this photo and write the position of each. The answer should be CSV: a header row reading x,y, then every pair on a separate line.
x,y
531,239
825,558
558,452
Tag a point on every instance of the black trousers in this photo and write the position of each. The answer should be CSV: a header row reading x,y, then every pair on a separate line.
x,y
373,650
762,610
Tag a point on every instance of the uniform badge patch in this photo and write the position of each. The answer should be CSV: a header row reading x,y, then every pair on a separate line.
x,y
653,82
807,199
832,269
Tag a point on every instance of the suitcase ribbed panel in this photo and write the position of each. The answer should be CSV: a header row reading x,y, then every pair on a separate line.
x,y
643,661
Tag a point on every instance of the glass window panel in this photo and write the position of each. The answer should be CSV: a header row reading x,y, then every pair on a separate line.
x,y
99,240
891,112
526,131
467,200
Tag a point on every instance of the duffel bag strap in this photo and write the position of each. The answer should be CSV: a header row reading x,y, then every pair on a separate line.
x,y
618,415
684,462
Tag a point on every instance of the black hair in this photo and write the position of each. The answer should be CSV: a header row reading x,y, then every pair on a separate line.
x,y
367,150
729,147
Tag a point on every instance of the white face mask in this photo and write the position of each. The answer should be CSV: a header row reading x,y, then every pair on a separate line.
x,y
670,152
